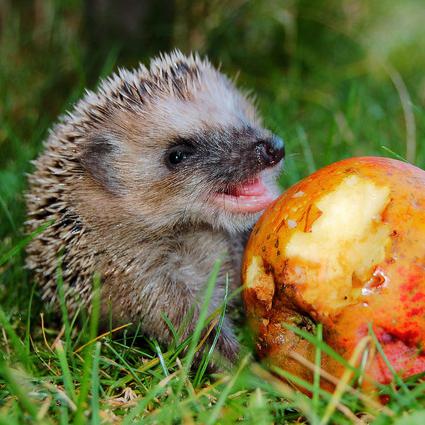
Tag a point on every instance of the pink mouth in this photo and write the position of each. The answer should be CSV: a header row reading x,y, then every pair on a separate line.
x,y
249,197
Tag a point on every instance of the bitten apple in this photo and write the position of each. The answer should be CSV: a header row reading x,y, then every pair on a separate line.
x,y
344,247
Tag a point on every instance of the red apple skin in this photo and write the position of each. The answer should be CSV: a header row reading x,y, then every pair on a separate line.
x,y
392,300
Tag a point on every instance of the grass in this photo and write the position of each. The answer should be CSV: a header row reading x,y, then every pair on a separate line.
x,y
58,370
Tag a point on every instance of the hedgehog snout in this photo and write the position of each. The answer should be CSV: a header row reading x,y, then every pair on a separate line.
x,y
269,151
248,152
263,150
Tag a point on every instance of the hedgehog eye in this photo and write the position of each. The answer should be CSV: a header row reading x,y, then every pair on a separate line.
x,y
177,155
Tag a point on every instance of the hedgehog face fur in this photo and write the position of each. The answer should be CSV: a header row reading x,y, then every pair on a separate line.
x,y
153,156
182,153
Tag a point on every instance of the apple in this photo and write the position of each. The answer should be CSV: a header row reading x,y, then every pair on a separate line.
x,y
345,247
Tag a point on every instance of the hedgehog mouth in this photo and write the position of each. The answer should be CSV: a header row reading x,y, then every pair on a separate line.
x,y
251,196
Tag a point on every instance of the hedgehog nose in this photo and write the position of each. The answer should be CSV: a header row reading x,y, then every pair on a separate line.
x,y
270,151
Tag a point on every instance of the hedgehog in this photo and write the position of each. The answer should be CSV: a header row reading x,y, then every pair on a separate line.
x,y
146,182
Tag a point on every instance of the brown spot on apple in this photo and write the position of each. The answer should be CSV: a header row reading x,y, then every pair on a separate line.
x,y
313,213
260,282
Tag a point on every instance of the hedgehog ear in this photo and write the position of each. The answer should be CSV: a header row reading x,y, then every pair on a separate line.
x,y
98,159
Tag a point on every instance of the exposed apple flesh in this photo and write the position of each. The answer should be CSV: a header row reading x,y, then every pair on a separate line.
x,y
341,244
344,247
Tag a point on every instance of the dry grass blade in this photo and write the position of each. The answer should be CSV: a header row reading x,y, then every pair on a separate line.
x,y
284,389
409,117
46,365
368,401
44,409
207,333
58,337
151,363
43,331
101,336
206,391
343,381
350,415
339,406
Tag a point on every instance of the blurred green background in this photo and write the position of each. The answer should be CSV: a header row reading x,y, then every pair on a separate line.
x,y
334,78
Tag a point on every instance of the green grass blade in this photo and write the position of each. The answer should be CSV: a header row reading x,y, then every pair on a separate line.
x,y
308,154
95,385
215,413
300,382
63,307
318,362
171,327
64,416
397,378
161,358
202,369
133,372
141,406
17,389
394,154
6,211
323,347
66,373
203,314
23,243
88,354
258,409
28,326
8,420
95,313
18,346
